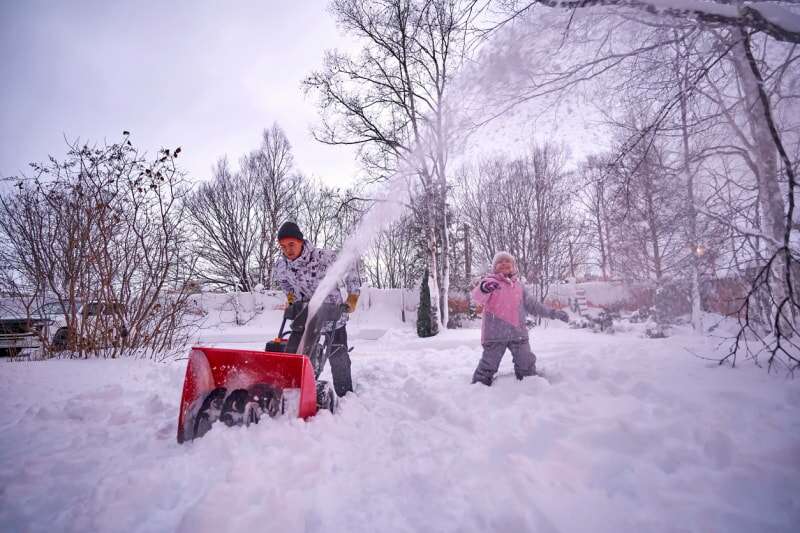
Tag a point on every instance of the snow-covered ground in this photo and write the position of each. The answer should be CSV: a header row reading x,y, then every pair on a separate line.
x,y
622,434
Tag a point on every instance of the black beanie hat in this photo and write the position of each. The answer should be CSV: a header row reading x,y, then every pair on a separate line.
x,y
290,230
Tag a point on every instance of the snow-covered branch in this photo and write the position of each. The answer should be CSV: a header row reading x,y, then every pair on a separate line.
x,y
774,18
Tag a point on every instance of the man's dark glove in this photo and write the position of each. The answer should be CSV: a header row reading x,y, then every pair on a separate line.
x,y
558,314
488,286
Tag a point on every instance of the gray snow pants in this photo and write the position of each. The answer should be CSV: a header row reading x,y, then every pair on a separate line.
x,y
524,360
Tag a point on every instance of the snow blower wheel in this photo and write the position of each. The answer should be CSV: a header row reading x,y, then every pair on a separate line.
x,y
234,407
326,397
267,399
209,411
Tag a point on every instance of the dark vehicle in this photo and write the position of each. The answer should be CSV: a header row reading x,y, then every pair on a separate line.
x,y
20,336
97,324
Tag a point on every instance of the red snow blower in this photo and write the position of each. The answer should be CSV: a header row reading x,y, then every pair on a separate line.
x,y
241,387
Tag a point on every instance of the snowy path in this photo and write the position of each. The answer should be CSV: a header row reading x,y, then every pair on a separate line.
x,y
626,434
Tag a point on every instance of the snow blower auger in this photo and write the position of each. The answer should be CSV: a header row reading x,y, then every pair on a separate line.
x,y
241,387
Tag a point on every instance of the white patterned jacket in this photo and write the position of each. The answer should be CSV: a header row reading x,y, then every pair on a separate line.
x,y
303,275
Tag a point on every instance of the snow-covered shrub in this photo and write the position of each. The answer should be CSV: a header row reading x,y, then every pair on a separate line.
x,y
640,315
604,322
426,323
672,299
656,331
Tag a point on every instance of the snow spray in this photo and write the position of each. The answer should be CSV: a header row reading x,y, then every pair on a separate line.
x,y
389,207
463,110
394,198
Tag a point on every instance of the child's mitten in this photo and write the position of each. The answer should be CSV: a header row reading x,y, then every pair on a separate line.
x,y
488,286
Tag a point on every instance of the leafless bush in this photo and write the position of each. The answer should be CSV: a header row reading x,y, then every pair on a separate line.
x,y
102,233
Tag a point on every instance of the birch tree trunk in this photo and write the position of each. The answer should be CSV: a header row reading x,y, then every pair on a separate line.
x,y
772,221
691,218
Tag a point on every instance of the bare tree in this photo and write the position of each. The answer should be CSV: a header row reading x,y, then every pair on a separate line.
x,y
224,214
394,260
649,205
317,209
271,168
237,214
773,20
597,202
391,101
775,279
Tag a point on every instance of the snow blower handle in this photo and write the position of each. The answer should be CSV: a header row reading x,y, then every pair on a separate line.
x,y
295,309
296,313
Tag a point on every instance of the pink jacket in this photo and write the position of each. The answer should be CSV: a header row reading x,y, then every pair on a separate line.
x,y
505,309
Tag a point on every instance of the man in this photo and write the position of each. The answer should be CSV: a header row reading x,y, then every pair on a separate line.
x,y
299,273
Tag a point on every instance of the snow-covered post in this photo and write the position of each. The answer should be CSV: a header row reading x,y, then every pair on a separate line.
x,y
236,309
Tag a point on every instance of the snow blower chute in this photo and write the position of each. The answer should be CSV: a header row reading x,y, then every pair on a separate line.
x,y
241,387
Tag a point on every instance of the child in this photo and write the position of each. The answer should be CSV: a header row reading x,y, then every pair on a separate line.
x,y
505,304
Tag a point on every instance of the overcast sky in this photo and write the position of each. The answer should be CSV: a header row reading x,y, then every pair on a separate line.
x,y
206,76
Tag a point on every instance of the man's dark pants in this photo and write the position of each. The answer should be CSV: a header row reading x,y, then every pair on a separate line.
x,y
339,359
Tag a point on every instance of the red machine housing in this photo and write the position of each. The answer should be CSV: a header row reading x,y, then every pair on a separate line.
x,y
210,368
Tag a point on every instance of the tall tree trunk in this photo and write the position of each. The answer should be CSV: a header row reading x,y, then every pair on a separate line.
x,y
772,220
433,258
433,284
691,219
609,258
440,174
467,254
653,226
601,236
571,260
444,285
